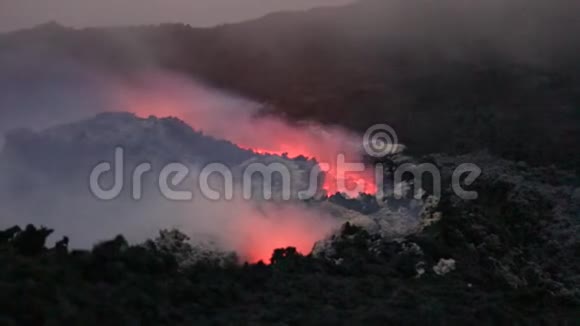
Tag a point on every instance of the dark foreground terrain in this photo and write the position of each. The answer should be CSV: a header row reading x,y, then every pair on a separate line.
x,y
514,257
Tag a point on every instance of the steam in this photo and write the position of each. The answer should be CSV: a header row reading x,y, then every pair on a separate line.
x,y
38,97
251,229
227,116
42,87
243,122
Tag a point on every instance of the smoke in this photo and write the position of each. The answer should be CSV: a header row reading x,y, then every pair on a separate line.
x,y
243,122
252,229
231,117
35,94
529,31
49,98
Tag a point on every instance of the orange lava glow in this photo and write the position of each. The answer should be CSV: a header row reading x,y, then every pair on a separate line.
x,y
352,180
290,227
266,136
261,246
204,111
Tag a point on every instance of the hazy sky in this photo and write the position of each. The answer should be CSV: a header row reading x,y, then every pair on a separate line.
x,y
15,14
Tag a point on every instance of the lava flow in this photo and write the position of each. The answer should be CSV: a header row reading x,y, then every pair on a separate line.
x,y
290,228
263,135
231,118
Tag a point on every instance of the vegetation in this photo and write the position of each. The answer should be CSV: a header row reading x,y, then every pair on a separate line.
x,y
506,273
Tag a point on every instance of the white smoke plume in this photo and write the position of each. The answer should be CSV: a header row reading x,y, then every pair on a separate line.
x,y
37,97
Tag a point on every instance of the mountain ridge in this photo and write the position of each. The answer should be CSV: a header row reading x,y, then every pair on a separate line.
x,y
464,87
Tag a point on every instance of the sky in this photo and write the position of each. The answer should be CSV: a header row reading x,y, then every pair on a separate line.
x,y
17,14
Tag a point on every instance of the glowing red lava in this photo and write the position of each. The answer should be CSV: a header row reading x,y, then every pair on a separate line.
x,y
352,180
261,246
290,227
215,115
269,136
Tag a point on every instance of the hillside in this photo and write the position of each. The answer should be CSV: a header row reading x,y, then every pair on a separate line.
x,y
462,86
510,257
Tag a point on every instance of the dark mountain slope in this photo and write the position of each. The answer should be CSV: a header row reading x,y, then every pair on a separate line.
x,y
449,77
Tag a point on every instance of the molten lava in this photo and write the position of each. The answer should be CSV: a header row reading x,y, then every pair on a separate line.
x,y
238,121
260,244
276,226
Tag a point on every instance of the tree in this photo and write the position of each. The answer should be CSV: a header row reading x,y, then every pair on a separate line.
x,y
31,241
